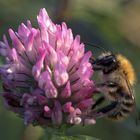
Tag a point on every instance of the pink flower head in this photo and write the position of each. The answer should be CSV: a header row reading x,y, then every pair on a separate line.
x,y
46,77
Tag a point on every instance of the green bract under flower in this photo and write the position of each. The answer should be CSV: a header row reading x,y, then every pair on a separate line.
x,y
46,77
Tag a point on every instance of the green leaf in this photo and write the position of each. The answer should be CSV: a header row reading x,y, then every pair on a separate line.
x,y
58,134
84,137
76,137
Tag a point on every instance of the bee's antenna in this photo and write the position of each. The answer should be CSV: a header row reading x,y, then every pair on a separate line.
x,y
98,46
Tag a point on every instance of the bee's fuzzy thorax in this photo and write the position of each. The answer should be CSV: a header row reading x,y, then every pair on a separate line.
x,y
127,68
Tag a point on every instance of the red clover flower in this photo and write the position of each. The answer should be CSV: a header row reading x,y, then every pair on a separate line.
x,y
46,77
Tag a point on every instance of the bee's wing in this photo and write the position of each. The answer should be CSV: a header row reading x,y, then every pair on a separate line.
x,y
131,91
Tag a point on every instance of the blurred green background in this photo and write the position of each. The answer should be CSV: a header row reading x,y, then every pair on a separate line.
x,y
112,24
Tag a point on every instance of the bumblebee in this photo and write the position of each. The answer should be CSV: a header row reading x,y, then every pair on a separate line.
x,y
117,79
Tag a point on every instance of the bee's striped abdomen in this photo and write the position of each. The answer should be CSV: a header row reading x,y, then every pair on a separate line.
x,y
126,106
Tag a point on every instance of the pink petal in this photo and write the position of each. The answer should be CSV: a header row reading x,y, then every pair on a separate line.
x,y
57,113
3,49
16,42
67,91
84,92
36,70
85,67
64,30
67,38
6,42
23,32
29,25
28,117
74,118
84,70
63,58
42,100
14,55
47,111
59,41
46,84
76,52
80,83
60,74
51,54
48,29
68,107
85,103
29,44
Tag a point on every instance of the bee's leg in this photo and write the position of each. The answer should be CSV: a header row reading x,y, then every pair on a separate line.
x,y
99,101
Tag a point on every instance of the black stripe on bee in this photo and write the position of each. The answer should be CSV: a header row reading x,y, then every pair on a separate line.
x,y
124,110
128,97
108,108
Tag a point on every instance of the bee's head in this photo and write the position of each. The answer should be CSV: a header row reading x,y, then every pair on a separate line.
x,y
106,62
